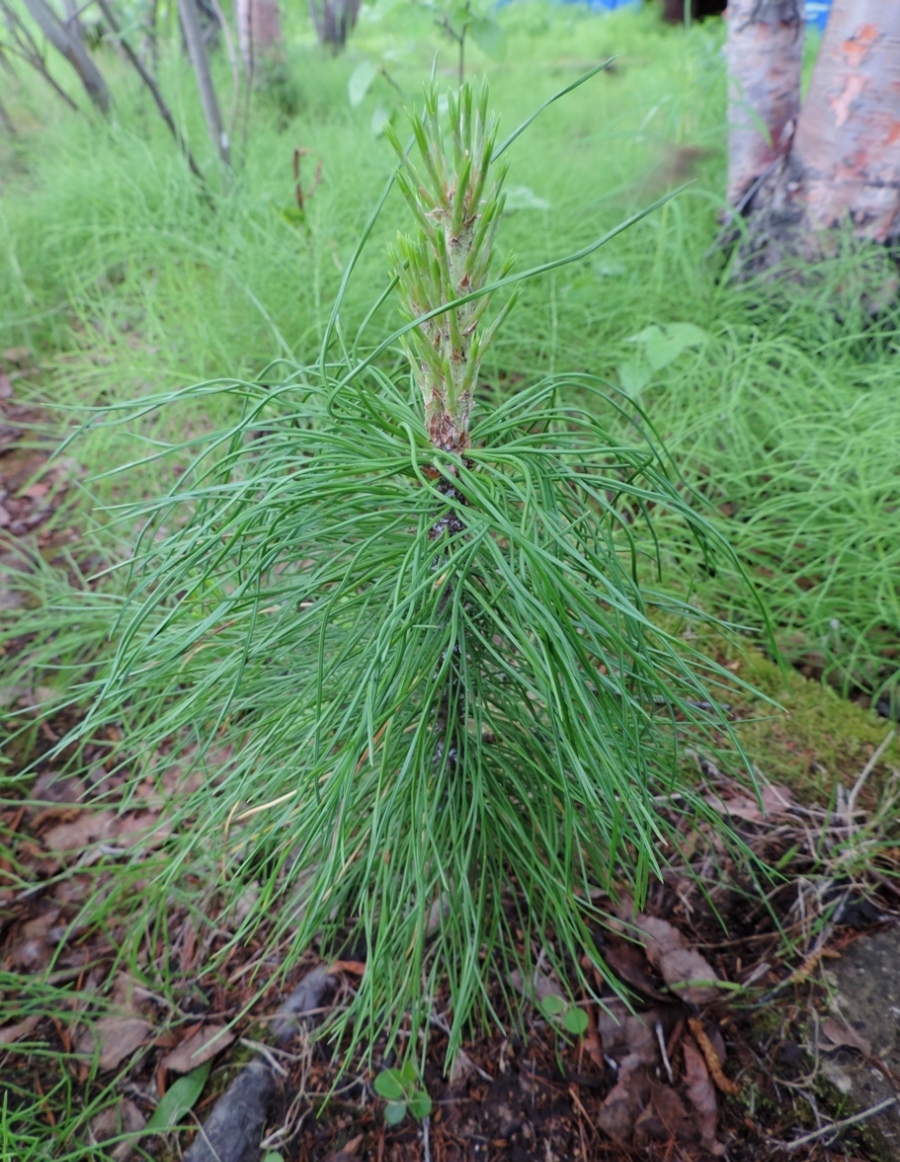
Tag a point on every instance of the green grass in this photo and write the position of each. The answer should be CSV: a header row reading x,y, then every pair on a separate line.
x,y
125,283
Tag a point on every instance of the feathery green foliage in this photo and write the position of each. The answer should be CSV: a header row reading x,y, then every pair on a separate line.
x,y
449,709
450,255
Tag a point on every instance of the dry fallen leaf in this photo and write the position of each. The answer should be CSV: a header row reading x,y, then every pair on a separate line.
x,y
542,986
200,1047
685,971
123,1118
10,1033
38,938
87,828
18,355
701,1092
629,962
626,1100
348,1152
115,1038
777,801
844,1035
664,1119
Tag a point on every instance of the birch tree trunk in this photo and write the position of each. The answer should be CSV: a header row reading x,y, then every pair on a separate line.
x,y
846,153
840,166
764,54
259,28
73,49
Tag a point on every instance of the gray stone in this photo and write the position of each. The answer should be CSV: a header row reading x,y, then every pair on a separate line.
x,y
233,1130
867,979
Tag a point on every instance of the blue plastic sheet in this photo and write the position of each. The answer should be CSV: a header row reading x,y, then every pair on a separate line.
x,y
817,13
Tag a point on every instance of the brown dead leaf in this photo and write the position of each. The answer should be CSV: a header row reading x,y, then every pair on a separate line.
x,y
200,1047
89,827
625,1034
701,1093
625,1102
115,1038
541,986
687,974
122,1118
777,801
348,1152
658,936
140,827
354,967
664,1118
38,938
51,787
17,355
629,963
10,1033
690,976
843,1035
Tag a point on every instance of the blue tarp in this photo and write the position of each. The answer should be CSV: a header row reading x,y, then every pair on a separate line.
x,y
817,13
816,10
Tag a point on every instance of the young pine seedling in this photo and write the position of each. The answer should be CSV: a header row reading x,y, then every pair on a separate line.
x,y
419,622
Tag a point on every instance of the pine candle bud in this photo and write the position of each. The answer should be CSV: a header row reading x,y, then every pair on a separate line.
x,y
449,256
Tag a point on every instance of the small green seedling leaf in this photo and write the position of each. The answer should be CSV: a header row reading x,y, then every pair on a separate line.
x,y
178,1100
381,118
394,1112
408,1075
634,377
489,37
663,344
389,1085
575,1021
271,1156
360,82
524,198
420,1104
552,1005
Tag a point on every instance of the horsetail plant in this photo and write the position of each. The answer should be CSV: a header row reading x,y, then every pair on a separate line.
x,y
425,634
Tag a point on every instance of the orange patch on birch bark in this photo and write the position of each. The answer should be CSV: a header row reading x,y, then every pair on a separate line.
x,y
856,47
893,133
840,106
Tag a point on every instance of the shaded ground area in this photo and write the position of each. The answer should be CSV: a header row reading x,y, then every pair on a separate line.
x,y
728,1046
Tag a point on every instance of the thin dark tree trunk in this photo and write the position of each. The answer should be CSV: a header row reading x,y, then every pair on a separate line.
x,y
27,49
164,110
6,121
193,34
73,49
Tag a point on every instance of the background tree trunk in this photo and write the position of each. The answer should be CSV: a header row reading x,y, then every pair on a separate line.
x,y
334,20
841,165
846,154
73,49
765,55
193,34
259,28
